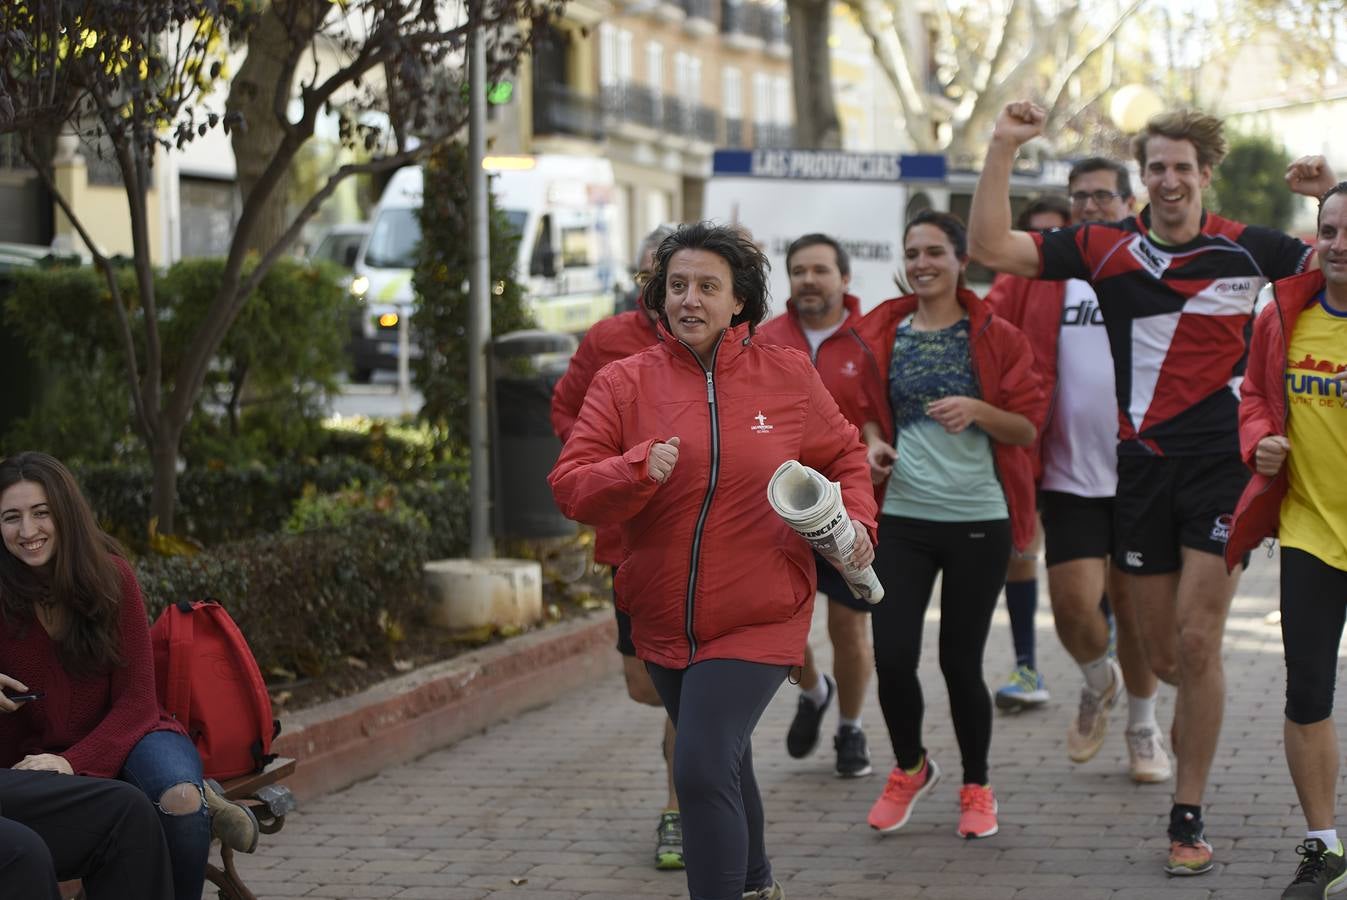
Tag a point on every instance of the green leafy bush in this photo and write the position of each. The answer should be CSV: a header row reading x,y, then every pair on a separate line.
x,y
305,601
399,452
1248,185
440,320
316,511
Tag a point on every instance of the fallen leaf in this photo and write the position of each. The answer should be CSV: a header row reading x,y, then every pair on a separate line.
x,y
280,698
510,630
404,665
282,673
356,663
519,881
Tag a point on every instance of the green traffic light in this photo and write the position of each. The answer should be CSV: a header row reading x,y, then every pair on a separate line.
x,y
500,93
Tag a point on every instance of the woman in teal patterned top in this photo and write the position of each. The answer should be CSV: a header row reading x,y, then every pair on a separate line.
x,y
950,435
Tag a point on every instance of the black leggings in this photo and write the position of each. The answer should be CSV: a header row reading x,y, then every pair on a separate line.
x,y
715,705
972,558
64,826
1314,604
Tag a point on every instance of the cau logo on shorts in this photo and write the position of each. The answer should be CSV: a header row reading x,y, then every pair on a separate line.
x,y
1220,530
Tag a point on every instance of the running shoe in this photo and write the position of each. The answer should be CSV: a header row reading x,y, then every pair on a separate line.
x,y
894,806
977,811
1147,759
1321,872
669,841
1189,852
775,892
853,757
1087,731
803,735
1024,690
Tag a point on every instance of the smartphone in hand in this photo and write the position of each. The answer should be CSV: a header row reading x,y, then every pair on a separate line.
x,y
26,696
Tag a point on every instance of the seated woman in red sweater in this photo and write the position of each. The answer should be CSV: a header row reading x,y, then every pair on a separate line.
x,y
73,632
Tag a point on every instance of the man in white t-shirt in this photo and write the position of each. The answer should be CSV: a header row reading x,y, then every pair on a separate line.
x,y
1077,455
819,320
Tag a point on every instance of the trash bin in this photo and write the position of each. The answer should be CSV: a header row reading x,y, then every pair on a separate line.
x,y
525,366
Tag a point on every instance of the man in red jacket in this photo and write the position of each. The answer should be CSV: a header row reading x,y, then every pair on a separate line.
x,y
618,337
1077,469
819,319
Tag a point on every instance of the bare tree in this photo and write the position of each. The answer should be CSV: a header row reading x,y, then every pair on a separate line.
x,y
954,68
816,125
137,75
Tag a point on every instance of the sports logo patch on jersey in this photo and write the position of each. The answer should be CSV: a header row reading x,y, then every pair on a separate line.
x,y
762,427
1152,259
850,369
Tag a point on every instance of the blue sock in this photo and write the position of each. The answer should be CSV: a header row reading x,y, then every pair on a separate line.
x,y
1022,601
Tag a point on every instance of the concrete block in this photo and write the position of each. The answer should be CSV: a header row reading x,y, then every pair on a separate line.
x,y
468,594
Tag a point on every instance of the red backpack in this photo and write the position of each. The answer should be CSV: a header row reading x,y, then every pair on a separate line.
x,y
208,680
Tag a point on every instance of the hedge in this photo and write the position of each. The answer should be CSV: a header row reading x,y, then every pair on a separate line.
x,y
305,601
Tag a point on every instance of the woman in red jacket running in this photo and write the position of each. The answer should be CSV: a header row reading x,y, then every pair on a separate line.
x,y
676,444
951,437
74,640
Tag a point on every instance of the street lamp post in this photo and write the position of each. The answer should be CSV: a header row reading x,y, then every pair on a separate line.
x,y
479,299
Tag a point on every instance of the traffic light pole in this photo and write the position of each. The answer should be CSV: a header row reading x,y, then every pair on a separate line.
x,y
479,300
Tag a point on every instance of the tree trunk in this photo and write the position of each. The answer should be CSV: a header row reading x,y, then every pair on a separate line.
x,y
816,125
164,464
256,138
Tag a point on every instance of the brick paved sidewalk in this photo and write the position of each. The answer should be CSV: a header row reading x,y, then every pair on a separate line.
x,y
564,801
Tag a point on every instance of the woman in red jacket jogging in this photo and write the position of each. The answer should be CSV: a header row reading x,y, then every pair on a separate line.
x,y
676,445
74,638
962,406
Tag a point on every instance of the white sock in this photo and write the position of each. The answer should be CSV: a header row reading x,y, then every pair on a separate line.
x,y
1141,711
843,722
1098,674
1329,837
818,693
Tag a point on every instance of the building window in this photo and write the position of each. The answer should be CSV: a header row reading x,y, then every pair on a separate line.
x,y
733,89
607,55
654,66
762,98
781,112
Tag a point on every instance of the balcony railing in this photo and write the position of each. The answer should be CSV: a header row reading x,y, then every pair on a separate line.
x,y
734,133
772,136
634,103
558,109
734,16
705,124
700,9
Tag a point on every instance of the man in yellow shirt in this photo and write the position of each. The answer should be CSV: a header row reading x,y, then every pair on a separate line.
x,y
1293,432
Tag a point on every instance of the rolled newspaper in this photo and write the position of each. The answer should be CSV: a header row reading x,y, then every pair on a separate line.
x,y
812,505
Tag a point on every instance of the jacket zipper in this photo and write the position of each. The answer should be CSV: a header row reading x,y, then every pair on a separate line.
x,y
710,492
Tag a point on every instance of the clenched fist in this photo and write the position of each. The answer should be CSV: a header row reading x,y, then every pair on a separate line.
x,y
1270,454
662,458
1019,122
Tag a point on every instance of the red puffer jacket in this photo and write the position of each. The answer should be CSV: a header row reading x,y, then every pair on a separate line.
x,y
1262,409
615,337
843,360
1034,306
1003,364
711,572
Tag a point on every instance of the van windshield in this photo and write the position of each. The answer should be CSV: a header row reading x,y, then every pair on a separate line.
x,y
515,219
394,241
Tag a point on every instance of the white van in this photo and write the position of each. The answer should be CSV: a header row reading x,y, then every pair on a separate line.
x,y
563,208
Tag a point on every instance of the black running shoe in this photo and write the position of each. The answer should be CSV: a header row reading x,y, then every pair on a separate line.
x,y
1322,872
804,730
853,757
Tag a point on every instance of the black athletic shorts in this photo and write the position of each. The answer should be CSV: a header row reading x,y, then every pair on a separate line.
x,y
1075,527
1165,503
831,583
624,644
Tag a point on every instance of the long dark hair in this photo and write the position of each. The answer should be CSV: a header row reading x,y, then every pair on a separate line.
x,y
81,578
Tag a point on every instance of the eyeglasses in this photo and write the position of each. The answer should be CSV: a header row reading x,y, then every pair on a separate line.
x,y
642,277
1080,198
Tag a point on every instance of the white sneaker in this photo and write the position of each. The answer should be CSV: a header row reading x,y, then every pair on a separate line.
x,y
1148,761
1089,727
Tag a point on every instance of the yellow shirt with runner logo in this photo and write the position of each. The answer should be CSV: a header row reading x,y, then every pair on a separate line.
x,y
1314,512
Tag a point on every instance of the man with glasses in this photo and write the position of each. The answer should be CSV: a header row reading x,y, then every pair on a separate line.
x,y
614,338
1176,287
1077,468
819,320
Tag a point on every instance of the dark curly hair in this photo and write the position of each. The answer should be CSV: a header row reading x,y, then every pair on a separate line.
x,y
81,577
748,267
1339,188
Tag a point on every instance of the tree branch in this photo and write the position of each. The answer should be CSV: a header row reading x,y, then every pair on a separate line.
x,y
1064,74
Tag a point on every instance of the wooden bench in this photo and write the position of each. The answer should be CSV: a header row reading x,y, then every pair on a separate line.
x,y
269,801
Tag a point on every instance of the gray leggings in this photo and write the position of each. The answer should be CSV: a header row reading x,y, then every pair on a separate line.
x,y
716,705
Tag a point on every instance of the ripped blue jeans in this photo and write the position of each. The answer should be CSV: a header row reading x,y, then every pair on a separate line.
x,y
158,761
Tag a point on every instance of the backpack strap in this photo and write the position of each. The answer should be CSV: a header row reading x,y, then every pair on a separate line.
x,y
179,684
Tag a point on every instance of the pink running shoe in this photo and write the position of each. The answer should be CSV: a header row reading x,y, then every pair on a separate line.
x,y
894,806
977,811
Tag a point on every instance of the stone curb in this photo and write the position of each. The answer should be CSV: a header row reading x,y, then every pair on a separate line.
x,y
352,738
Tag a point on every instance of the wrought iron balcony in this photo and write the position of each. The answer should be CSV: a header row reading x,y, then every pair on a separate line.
x,y
768,135
558,109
